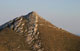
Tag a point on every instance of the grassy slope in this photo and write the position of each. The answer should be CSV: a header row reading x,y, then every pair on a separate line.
x,y
55,39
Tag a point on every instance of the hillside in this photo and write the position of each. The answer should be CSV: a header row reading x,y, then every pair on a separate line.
x,y
33,33
57,39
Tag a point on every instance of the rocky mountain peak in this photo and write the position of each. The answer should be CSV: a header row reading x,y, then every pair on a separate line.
x,y
32,33
31,15
33,12
22,19
27,26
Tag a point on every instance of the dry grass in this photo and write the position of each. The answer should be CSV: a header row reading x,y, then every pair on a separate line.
x,y
53,39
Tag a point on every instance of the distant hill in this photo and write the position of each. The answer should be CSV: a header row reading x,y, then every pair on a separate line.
x,y
33,33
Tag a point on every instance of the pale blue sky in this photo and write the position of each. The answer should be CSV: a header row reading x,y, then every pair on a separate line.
x,y
62,13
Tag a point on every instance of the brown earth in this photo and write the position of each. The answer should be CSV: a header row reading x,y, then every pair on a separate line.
x,y
57,39
52,38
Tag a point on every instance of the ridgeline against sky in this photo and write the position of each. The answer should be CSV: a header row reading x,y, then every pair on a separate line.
x,y
62,13
33,33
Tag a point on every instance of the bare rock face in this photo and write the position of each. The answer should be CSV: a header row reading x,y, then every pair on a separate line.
x,y
27,26
33,33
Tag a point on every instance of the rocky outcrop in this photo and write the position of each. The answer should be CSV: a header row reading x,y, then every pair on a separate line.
x,y
27,26
33,33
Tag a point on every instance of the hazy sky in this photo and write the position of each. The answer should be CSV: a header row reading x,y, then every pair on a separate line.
x,y
62,13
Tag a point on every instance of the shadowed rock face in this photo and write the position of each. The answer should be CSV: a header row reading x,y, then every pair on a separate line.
x,y
33,33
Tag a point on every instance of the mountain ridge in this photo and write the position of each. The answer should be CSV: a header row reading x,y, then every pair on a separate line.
x,y
26,25
33,33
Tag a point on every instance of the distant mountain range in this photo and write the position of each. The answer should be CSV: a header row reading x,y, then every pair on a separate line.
x,y
33,33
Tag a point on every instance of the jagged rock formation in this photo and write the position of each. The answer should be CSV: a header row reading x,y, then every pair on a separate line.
x,y
27,26
33,33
